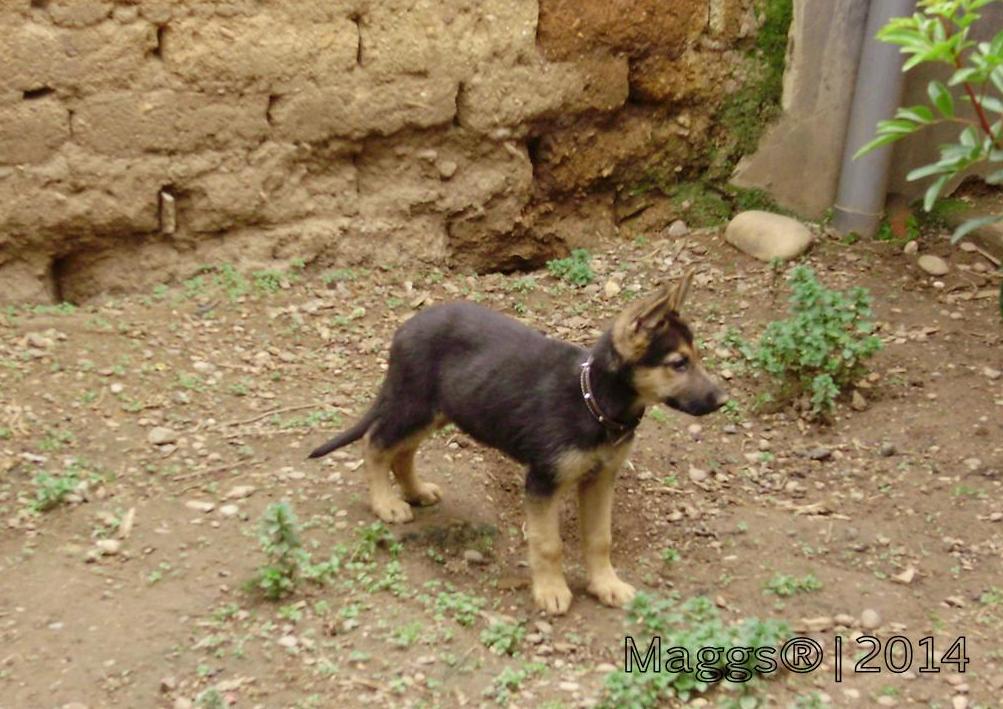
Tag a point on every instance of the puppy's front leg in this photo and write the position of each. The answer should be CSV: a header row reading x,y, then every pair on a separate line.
x,y
550,590
595,512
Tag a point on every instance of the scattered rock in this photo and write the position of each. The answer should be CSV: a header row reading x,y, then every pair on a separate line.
x,y
887,450
697,475
677,228
229,510
934,265
858,402
472,556
844,619
446,168
161,436
905,577
200,506
38,341
911,248
767,236
816,625
116,388
611,289
240,492
820,453
993,374
870,619
109,547
959,701
168,684
288,641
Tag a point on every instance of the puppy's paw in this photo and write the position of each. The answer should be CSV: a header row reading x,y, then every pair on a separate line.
x,y
425,494
554,597
392,509
611,591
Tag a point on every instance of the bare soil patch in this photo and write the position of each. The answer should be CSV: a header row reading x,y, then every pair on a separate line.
x,y
247,377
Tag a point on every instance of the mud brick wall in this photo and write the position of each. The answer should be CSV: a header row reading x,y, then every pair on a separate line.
x,y
141,138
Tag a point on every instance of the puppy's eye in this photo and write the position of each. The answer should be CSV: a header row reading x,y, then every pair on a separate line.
x,y
678,362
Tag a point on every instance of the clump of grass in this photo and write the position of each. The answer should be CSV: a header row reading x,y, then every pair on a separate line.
x,y
575,269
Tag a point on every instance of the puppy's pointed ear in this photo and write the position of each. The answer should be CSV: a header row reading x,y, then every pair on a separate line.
x,y
678,296
634,327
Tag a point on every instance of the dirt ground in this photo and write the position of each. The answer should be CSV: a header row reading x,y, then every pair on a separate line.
x,y
187,411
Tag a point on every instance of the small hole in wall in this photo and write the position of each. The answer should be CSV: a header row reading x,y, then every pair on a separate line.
x,y
41,92
158,51
40,4
58,270
357,19
272,100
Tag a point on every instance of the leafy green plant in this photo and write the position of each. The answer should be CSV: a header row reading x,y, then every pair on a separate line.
x,y
784,585
511,679
287,560
693,624
574,269
503,638
821,348
939,33
52,490
461,606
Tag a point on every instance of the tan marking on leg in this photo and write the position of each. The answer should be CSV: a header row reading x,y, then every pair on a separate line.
x,y
382,498
415,490
595,512
550,590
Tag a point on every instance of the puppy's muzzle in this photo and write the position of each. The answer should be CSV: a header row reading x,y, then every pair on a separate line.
x,y
707,402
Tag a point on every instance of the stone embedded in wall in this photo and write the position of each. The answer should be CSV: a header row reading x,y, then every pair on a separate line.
x,y
258,53
79,13
695,76
165,121
621,150
355,107
31,131
269,185
78,198
448,37
524,94
79,61
570,28
26,281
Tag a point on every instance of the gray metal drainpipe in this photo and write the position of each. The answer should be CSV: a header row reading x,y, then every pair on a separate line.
x,y
860,199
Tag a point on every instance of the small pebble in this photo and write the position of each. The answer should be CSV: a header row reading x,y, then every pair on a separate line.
x,y
870,619
160,436
472,556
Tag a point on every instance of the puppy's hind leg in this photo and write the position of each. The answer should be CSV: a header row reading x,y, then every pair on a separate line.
x,y
382,498
416,491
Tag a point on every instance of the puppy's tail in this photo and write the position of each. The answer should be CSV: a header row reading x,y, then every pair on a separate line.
x,y
350,436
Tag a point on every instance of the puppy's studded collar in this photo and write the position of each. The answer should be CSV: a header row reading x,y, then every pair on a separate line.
x,y
609,423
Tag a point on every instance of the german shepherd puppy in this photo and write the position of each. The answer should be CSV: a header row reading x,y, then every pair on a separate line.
x,y
568,414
